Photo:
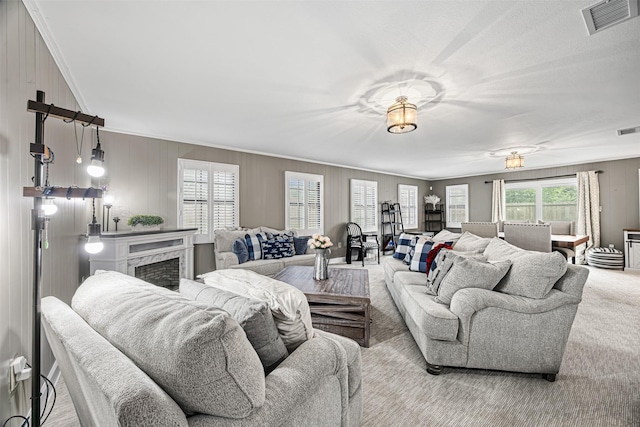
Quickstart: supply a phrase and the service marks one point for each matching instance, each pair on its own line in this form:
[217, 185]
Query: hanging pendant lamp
[402, 116]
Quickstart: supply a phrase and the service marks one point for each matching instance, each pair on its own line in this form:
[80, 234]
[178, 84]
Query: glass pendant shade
[514, 161]
[95, 169]
[402, 116]
[48, 207]
[93, 245]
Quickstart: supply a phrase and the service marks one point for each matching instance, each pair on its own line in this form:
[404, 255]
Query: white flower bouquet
[431, 199]
[318, 241]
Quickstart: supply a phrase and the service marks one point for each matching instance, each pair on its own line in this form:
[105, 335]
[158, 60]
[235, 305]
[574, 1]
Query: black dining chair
[357, 241]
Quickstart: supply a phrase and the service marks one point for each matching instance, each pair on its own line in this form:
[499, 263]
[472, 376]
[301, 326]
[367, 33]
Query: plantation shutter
[408, 199]
[304, 202]
[364, 204]
[208, 197]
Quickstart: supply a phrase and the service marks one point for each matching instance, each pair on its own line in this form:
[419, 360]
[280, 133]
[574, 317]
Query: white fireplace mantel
[125, 250]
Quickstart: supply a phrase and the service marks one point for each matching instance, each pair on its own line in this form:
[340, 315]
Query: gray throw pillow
[240, 249]
[300, 244]
[471, 242]
[469, 273]
[254, 317]
[444, 261]
[533, 274]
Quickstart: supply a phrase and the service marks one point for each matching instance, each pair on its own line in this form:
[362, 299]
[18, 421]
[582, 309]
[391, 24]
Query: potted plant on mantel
[145, 222]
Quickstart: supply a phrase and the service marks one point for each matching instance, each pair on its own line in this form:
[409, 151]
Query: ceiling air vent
[607, 13]
[628, 131]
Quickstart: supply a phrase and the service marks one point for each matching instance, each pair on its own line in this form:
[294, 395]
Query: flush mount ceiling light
[514, 161]
[402, 116]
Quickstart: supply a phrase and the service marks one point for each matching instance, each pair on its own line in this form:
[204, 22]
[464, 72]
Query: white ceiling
[292, 78]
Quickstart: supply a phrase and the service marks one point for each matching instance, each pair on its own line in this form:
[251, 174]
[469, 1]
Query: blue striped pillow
[419, 259]
[254, 245]
[404, 245]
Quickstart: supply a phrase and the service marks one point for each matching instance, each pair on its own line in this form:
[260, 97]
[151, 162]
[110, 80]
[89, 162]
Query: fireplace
[163, 273]
[159, 257]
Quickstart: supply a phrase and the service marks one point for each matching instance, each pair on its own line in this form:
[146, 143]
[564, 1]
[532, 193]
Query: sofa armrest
[291, 389]
[467, 302]
[225, 260]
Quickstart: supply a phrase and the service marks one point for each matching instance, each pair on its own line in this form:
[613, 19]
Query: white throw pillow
[288, 304]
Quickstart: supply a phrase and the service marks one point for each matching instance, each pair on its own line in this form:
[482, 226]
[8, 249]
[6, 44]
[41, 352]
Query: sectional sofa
[226, 258]
[520, 323]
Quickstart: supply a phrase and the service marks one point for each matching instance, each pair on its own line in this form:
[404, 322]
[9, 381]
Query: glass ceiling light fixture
[93, 245]
[402, 116]
[514, 161]
[96, 168]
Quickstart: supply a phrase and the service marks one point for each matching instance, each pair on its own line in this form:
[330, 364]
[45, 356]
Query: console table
[125, 251]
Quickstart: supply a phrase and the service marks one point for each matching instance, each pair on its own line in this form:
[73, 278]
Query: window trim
[538, 185]
[409, 187]
[364, 184]
[448, 190]
[306, 177]
[210, 167]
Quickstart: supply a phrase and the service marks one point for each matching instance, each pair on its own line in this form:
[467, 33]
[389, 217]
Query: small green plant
[145, 220]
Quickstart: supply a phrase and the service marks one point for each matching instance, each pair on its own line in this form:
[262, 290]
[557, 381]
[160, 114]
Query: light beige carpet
[598, 383]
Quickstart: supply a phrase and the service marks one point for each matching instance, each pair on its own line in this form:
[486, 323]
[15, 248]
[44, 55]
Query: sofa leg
[549, 377]
[434, 369]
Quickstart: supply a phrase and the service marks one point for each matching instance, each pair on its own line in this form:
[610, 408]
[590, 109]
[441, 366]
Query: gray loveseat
[521, 326]
[133, 354]
[225, 258]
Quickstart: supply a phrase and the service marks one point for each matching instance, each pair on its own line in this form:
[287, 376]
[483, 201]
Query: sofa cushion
[435, 320]
[279, 246]
[223, 239]
[305, 259]
[268, 267]
[254, 245]
[198, 354]
[241, 251]
[419, 258]
[288, 305]
[404, 244]
[301, 244]
[532, 273]
[254, 317]
[469, 273]
[470, 242]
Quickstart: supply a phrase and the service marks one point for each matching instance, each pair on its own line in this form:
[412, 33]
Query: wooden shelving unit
[391, 225]
[434, 218]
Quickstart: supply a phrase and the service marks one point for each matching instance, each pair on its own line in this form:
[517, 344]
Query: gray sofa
[499, 329]
[225, 258]
[133, 354]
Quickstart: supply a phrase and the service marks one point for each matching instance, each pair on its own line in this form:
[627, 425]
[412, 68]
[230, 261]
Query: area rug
[598, 383]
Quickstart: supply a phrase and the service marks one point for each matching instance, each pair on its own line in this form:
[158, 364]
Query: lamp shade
[402, 116]
[514, 161]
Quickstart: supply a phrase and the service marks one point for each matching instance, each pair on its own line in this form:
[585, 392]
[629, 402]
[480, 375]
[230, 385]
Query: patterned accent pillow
[431, 262]
[404, 245]
[254, 245]
[276, 248]
[241, 251]
[443, 263]
[419, 259]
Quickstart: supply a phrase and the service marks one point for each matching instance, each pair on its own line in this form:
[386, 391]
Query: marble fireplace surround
[125, 250]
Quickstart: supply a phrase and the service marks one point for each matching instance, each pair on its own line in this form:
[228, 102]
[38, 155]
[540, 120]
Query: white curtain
[498, 205]
[588, 212]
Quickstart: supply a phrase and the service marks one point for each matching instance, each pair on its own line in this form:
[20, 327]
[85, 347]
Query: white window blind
[304, 202]
[457, 205]
[208, 197]
[364, 204]
[408, 199]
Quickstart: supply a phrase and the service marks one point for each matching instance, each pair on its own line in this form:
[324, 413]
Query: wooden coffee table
[339, 304]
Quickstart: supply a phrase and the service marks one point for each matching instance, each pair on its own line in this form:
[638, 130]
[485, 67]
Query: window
[304, 202]
[408, 199]
[548, 200]
[364, 204]
[208, 197]
[457, 205]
